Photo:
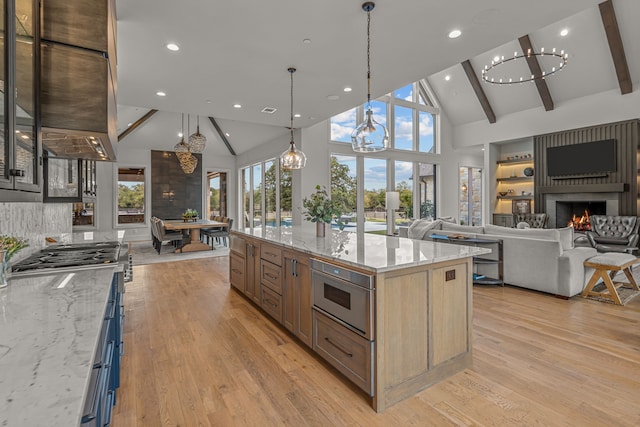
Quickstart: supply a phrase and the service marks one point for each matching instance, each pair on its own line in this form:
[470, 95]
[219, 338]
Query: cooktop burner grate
[61, 256]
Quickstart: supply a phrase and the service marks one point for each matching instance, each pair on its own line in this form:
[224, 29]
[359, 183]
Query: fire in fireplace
[580, 223]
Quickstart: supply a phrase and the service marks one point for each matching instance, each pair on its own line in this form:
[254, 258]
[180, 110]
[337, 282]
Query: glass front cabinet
[20, 164]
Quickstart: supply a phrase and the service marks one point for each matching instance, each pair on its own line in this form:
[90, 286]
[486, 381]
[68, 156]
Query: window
[131, 198]
[404, 186]
[470, 196]
[266, 195]
[342, 125]
[409, 113]
[344, 187]
[217, 194]
[427, 201]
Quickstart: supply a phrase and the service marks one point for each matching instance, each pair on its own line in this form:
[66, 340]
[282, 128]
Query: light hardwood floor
[199, 354]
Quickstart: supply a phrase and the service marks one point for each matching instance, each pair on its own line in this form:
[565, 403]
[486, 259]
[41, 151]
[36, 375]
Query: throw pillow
[566, 237]
[522, 225]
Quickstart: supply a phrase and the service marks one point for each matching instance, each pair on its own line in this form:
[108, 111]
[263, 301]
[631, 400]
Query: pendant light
[188, 161]
[292, 158]
[197, 141]
[369, 136]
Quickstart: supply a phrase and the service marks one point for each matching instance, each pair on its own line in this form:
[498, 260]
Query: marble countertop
[49, 328]
[371, 251]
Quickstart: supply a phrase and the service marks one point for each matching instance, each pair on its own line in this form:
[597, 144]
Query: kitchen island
[393, 315]
[50, 333]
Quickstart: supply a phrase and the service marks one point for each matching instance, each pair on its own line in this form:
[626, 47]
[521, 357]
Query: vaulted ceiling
[239, 52]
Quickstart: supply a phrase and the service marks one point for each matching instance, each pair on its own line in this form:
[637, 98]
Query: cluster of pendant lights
[185, 150]
[369, 136]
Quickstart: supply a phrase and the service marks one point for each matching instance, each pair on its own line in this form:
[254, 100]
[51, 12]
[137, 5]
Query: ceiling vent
[269, 110]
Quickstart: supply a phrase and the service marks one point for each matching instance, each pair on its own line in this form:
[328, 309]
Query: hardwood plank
[199, 353]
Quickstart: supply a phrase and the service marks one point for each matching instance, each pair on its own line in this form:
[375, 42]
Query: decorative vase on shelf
[320, 229]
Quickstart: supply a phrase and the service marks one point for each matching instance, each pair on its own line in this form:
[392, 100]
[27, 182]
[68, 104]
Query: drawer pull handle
[270, 276]
[337, 346]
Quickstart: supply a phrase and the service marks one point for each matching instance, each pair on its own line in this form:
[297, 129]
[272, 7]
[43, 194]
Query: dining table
[194, 228]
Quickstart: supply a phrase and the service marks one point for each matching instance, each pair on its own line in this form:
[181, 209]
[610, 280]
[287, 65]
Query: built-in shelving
[515, 197]
[515, 162]
[516, 179]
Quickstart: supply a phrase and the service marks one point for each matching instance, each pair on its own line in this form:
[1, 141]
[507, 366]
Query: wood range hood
[78, 78]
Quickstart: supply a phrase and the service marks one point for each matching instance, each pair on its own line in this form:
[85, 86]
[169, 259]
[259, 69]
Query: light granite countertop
[49, 328]
[371, 251]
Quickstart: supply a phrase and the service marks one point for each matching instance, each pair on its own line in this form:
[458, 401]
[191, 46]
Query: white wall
[604, 107]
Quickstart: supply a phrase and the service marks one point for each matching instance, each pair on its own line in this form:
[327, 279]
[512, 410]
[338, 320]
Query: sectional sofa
[540, 259]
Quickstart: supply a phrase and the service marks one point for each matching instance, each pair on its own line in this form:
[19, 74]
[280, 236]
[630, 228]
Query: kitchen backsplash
[35, 221]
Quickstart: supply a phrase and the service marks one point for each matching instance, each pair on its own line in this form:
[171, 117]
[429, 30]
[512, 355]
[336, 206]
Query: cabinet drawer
[270, 253]
[236, 244]
[271, 276]
[271, 302]
[347, 351]
[236, 272]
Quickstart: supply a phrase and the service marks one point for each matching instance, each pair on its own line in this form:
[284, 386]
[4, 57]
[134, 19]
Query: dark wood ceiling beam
[477, 88]
[136, 125]
[223, 137]
[612, 30]
[534, 67]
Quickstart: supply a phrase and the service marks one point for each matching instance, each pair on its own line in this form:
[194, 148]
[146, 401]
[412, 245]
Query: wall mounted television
[588, 158]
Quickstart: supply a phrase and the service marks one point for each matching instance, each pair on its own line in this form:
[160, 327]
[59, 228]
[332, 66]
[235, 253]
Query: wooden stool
[606, 266]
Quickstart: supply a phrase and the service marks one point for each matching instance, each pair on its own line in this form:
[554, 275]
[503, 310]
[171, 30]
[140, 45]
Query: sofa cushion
[462, 228]
[532, 233]
[419, 228]
[566, 237]
[610, 240]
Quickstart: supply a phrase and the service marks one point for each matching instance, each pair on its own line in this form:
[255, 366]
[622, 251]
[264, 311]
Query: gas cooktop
[66, 256]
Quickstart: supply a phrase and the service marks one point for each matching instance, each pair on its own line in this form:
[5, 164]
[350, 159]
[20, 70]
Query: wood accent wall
[172, 190]
[623, 180]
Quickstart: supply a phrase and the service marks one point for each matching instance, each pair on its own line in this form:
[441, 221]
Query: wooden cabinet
[449, 308]
[271, 280]
[237, 271]
[252, 268]
[503, 220]
[345, 350]
[297, 295]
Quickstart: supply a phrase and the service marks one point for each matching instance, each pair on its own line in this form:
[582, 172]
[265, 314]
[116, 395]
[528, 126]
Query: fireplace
[560, 207]
[578, 212]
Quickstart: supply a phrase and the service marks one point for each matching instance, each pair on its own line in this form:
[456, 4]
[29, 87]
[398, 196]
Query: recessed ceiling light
[306, 41]
[160, 93]
[333, 97]
[564, 32]
[447, 77]
[269, 110]
[296, 115]
[237, 106]
[180, 134]
[482, 149]
[173, 47]
[347, 89]
[455, 34]
[208, 101]
[227, 134]
[129, 124]
[496, 58]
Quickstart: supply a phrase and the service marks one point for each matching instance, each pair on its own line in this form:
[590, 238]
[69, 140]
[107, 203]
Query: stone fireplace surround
[611, 200]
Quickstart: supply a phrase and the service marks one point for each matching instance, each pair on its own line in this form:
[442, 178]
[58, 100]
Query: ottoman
[606, 266]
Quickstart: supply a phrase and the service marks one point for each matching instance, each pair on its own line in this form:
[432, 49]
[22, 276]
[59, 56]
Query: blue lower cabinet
[105, 376]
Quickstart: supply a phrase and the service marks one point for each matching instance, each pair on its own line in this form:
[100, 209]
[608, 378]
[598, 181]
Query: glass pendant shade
[197, 141]
[293, 158]
[370, 136]
[181, 149]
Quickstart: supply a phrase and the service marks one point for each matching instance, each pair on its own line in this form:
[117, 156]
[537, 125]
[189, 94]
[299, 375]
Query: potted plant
[322, 210]
[190, 215]
[9, 246]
